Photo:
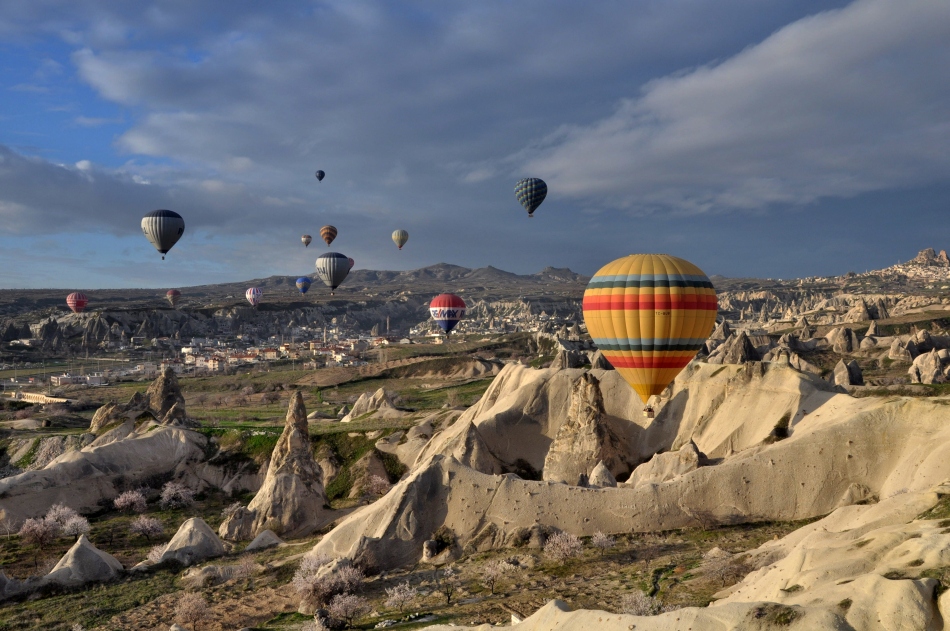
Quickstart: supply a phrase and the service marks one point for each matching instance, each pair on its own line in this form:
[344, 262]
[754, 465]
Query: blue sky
[780, 139]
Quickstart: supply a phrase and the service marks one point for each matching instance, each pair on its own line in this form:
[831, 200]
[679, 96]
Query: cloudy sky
[782, 138]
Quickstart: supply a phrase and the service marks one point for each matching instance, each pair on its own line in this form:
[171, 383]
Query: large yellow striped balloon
[649, 314]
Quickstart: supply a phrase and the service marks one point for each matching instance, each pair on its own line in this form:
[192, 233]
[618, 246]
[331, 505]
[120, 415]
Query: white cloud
[84, 165]
[834, 105]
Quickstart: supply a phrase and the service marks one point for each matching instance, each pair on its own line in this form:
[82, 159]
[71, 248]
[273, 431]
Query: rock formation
[843, 340]
[666, 466]
[267, 539]
[737, 349]
[113, 413]
[379, 404]
[164, 394]
[599, 362]
[291, 499]
[931, 367]
[84, 563]
[847, 374]
[194, 542]
[585, 438]
[369, 465]
[601, 477]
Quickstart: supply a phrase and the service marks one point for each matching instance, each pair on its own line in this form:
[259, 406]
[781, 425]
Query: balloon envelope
[328, 233]
[303, 284]
[253, 295]
[649, 314]
[173, 296]
[163, 228]
[77, 301]
[352, 262]
[306, 239]
[531, 191]
[447, 310]
[332, 268]
[320, 175]
[400, 237]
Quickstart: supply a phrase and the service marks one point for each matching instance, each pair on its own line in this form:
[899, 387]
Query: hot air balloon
[253, 295]
[328, 233]
[649, 314]
[303, 284]
[163, 228]
[173, 296]
[306, 239]
[352, 263]
[531, 191]
[400, 237]
[320, 175]
[447, 310]
[77, 301]
[332, 269]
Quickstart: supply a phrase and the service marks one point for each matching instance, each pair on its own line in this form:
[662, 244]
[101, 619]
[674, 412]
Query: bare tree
[447, 583]
[192, 609]
[9, 525]
[400, 596]
[231, 509]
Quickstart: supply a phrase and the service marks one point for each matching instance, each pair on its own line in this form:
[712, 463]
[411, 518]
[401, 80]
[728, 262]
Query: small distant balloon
[332, 268]
[352, 263]
[328, 233]
[306, 239]
[531, 191]
[447, 310]
[77, 301]
[173, 296]
[253, 295]
[400, 237]
[303, 284]
[320, 175]
[163, 228]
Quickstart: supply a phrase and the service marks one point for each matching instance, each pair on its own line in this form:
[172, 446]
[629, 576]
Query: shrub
[146, 526]
[192, 609]
[562, 546]
[231, 509]
[348, 607]
[602, 542]
[130, 502]
[75, 526]
[318, 586]
[400, 596]
[316, 625]
[494, 571]
[177, 495]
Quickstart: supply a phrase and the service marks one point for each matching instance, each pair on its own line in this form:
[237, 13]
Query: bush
[637, 603]
[177, 495]
[146, 526]
[318, 586]
[130, 502]
[562, 546]
[602, 542]
[60, 514]
[377, 486]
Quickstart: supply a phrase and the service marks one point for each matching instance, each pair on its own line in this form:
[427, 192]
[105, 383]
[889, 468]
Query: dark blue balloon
[303, 284]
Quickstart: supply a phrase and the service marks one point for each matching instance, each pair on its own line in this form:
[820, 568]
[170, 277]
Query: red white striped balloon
[77, 301]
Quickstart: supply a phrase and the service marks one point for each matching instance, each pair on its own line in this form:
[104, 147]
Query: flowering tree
[602, 542]
[60, 514]
[562, 546]
[146, 526]
[447, 583]
[177, 495]
[494, 571]
[130, 502]
[400, 596]
[76, 525]
[637, 603]
[317, 585]
[377, 485]
[155, 553]
[192, 609]
[348, 607]
[38, 533]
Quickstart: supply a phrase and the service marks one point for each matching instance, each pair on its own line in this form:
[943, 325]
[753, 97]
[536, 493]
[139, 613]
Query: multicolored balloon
[649, 314]
[328, 233]
[400, 237]
[163, 228]
[303, 284]
[531, 191]
[306, 239]
[447, 310]
[254, 295]
[173, 296]
[320, 175]
[77, 301]
[332, 268]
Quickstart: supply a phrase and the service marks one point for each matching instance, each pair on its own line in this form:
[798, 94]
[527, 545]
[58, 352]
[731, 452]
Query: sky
[777, 139]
